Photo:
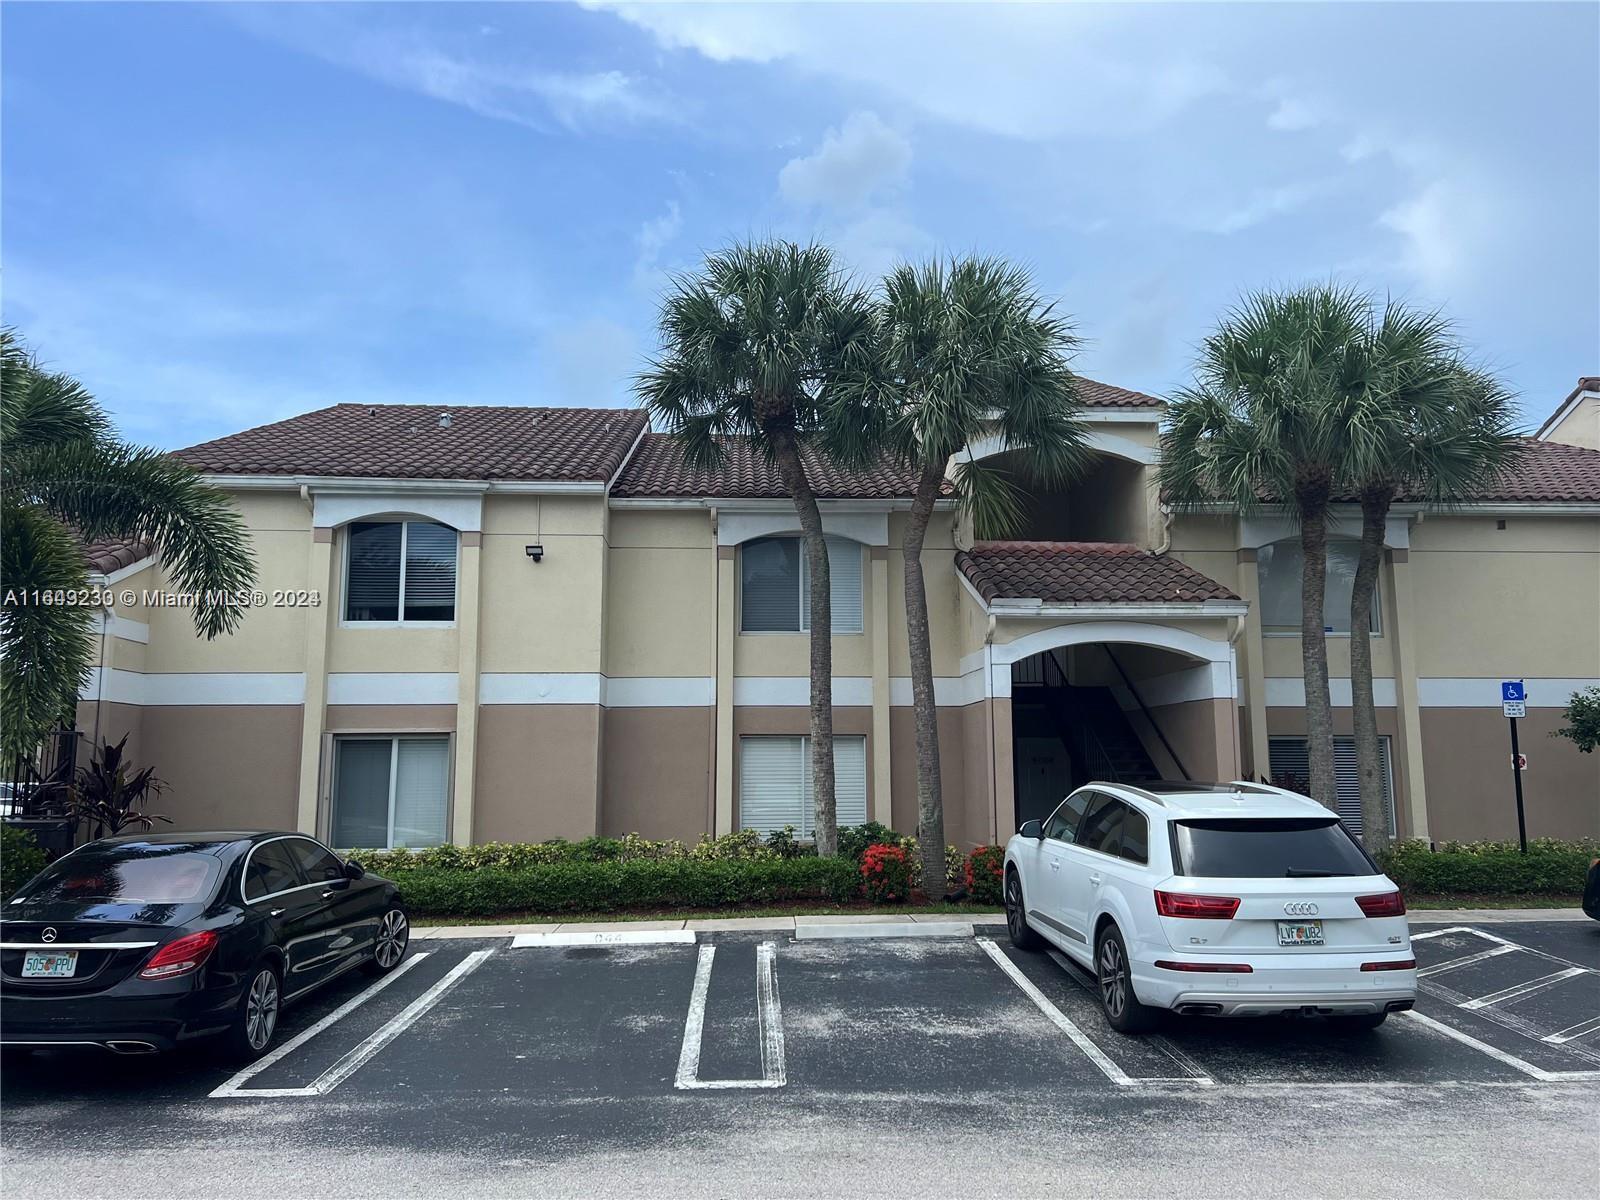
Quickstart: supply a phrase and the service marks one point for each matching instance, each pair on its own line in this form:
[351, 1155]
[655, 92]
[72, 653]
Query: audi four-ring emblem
[1300, 908]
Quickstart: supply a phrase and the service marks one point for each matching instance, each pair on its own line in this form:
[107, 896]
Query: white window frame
[805, 589]
[344, 596]
[803, 742]
[1293, 631]
[394, 740]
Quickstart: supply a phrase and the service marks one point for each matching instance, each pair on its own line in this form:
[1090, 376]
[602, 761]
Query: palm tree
[65, 480]
[1436, 428]
[1265, 419]
[751, 344]
[962, 349]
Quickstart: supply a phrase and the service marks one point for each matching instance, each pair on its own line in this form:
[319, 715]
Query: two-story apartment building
[495, 623]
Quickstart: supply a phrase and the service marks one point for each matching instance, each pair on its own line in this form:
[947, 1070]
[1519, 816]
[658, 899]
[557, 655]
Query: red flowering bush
[986, 867]
[886, 874]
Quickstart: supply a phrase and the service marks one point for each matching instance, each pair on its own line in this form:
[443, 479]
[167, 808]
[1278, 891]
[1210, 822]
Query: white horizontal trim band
[1484, 691]
[173, 688]
[795, 691]
[1290, 692]
[398, 687]
[125, 628]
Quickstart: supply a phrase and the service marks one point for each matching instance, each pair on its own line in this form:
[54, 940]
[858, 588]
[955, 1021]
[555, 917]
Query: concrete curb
[885, 929]
[601, 933]
[1489, 916]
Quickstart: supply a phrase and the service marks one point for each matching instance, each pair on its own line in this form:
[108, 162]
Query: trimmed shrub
[985, 873]
[886, 874]
[784, 844]
[854, 839]
[1551, 867]
[20, 859]
[578, 886]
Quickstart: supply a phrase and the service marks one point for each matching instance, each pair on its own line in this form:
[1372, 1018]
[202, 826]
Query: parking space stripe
[1499, 1055]
[1165, 1045]
[769, 1018]
[1466, 960]
[1571, 1032]
[1065, 1023]
[233, 1086]
[1518, 990]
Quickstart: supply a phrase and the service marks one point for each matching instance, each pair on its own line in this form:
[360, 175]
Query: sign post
[1514, 703]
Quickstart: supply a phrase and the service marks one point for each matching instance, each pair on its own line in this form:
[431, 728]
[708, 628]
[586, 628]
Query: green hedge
[639, 883]
[1551, 867]
[20, 859]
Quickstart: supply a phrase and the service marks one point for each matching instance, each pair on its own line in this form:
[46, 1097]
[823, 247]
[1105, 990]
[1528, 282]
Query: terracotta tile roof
[1084, 573]
[657, 468]
[1094, 394]
[115, 553]
[407, 441]
[1550, 473]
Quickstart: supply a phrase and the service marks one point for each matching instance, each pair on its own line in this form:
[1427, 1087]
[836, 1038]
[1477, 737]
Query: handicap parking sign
[1511, 691]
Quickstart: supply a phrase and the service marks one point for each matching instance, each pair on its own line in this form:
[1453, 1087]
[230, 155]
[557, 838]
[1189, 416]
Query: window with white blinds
[775, 783]
[775, 586]
[1291, 768]
[400, 571]
[390, 792]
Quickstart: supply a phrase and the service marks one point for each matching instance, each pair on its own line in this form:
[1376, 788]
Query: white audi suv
[1216, 899]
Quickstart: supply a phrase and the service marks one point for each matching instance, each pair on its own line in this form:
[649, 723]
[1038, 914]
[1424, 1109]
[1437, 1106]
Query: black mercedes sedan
[142, 942]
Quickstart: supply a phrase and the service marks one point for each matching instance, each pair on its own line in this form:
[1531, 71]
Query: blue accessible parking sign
[1511, 690]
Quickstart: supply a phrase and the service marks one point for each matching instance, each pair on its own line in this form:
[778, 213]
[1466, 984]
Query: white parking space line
[1466, 960]
[769, 1018]
[1080, 1039]
[1518, 990]
[358, 1056]
[1499, 1055]
[620, 937]
[1572, 1032]
[1074, 973]
[232, 1086]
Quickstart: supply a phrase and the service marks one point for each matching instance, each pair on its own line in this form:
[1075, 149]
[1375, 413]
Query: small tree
[110, 796]
[1583, 720]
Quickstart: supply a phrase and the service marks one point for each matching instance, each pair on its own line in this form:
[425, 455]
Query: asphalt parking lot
[604, 1067]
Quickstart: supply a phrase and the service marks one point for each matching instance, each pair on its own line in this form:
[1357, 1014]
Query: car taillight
[1180, 904]
[1386, 904]
[180, 957]
[1404, 964]
[1208, 968]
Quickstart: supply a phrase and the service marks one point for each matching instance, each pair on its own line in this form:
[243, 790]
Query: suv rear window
[147, 876]
[1267, 848]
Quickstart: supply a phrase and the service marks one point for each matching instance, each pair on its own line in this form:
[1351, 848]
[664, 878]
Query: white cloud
[1261, 205]
[856, 162]
[653, 237]
[1293, 115]
[1447, 228]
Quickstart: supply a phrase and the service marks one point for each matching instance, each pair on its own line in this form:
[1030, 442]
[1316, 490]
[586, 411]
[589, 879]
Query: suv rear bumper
[1335, 984]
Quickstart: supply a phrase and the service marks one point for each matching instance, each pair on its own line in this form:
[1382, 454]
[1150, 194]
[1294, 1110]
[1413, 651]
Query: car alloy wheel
[1113, 978]
[261, 1009]
[393, 935]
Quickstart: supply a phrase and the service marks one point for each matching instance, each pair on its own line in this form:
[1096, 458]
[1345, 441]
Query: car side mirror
[1032, 829]
[354, 871]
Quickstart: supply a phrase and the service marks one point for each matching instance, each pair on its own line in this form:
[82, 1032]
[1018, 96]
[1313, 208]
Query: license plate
[1300, 933]
[50, 964]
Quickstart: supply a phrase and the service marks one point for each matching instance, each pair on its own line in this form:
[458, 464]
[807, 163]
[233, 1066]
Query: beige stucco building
[515, 623]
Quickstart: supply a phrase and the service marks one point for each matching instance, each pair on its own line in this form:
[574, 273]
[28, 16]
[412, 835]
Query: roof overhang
[350, 483]
[1027, 608]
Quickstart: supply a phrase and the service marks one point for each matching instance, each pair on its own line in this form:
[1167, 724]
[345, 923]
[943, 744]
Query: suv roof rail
[1265, 789]
[1142, 793]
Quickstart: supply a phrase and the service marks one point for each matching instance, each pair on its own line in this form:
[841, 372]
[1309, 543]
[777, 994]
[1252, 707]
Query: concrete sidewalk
[895, 925]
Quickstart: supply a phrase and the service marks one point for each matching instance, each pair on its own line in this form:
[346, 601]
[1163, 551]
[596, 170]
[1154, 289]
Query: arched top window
[775, 585]
[400, 571]
[1280, 565]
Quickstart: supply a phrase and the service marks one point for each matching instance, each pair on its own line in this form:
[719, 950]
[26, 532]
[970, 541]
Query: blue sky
[220, 216]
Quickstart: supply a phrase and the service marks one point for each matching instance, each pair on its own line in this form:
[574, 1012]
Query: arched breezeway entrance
[1117, 700]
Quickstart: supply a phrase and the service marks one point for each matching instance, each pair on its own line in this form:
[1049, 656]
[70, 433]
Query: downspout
[1166, 529]
[305, 497]
[994, 745]
[716, 673]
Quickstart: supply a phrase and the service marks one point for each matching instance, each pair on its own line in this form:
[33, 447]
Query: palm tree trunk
[1374, 817]
[786, 452]
[930, 796]
[1311, 495]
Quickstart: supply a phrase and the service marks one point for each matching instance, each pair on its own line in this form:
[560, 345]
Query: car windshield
[1296, 847]
[130, 875]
